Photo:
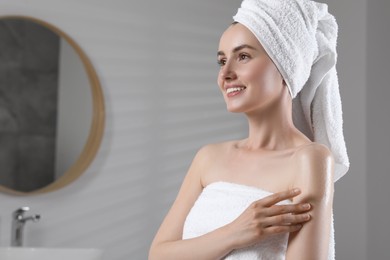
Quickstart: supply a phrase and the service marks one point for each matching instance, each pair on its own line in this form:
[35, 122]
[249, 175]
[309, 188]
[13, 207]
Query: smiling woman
[270, 195]
[51, 107]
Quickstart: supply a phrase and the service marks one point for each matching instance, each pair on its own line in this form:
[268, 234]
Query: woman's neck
[272, 128]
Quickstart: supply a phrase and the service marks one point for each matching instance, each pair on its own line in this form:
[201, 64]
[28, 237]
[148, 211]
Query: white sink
[31, 253]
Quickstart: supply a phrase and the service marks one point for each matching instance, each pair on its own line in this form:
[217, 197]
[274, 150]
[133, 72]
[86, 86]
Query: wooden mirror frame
[98, 117]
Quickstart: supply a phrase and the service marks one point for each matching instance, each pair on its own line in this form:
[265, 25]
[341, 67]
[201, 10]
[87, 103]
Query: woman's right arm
[261, 219]
[168, 243]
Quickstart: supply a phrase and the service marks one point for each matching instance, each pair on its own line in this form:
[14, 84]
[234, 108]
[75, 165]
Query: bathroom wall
[156, 62]
[378, 129]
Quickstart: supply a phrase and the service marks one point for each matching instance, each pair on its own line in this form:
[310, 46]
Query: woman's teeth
[230, 90]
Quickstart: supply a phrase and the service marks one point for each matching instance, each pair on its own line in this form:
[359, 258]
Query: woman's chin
[235, 109]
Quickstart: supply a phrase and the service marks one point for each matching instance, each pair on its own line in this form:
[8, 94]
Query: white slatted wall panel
[157, 65]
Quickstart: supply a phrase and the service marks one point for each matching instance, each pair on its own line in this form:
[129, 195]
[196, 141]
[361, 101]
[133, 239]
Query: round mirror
[51, 107]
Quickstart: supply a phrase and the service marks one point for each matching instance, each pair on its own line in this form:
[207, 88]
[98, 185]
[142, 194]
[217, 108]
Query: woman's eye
[244, 56]
[221, 62]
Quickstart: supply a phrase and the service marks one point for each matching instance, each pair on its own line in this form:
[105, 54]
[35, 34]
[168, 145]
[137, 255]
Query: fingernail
[306, 217]
[306, 206]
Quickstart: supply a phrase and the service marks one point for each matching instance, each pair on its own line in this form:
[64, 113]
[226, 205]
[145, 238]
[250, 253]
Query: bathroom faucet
[18, 221]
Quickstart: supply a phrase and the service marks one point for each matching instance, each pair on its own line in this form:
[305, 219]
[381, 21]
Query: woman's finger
[272, 230]
[279, 196]
[286, 219]
[291, 208]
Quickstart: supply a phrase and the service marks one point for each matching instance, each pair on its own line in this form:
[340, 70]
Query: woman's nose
[228, 72]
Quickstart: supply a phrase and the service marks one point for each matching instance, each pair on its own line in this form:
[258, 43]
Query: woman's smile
[232, 91]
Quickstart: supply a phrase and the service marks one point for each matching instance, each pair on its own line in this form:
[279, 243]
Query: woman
[229, 205]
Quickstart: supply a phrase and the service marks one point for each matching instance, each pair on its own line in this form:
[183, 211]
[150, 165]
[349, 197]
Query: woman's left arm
[316, 170]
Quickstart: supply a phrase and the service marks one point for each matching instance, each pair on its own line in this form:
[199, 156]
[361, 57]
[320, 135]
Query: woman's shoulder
[216, 148]
[315, 163]
[314, 152]
[211, 153]
[209, 158]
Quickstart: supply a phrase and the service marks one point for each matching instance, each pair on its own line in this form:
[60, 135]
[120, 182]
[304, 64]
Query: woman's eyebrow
[238, 48]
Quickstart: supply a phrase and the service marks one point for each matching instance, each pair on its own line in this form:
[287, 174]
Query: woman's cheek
[219, 81]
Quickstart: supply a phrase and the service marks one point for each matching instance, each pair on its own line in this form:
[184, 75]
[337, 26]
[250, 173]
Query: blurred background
[156, 62]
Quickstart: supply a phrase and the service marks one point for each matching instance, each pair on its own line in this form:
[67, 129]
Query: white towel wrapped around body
[222, 202]
[300, 37]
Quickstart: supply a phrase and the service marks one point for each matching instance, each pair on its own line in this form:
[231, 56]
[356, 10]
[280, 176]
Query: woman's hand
[264, 218]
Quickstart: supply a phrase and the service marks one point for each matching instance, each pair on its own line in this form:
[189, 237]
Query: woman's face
[248, 78]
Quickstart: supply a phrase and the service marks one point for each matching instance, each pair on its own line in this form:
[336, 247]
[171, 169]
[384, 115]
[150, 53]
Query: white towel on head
[300, 37]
